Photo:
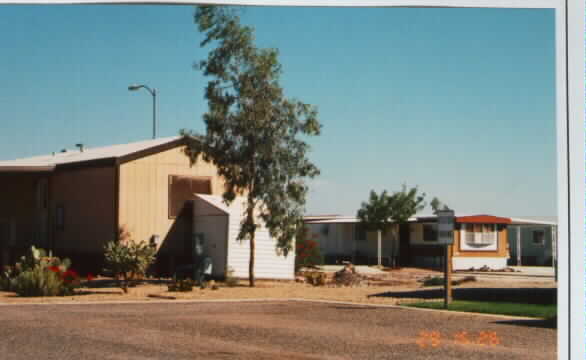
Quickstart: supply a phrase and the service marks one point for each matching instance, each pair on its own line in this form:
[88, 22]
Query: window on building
[182, 188]
[359, 232]
[429, 232]
[480, 235]
[539, 237]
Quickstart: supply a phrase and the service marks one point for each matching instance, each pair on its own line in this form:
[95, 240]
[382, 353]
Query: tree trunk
[250, 220]
[378, 236]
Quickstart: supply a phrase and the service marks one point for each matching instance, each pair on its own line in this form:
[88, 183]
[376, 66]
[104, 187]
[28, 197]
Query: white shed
[219, 224]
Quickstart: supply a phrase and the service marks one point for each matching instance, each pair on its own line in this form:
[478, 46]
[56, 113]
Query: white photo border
[571, 131]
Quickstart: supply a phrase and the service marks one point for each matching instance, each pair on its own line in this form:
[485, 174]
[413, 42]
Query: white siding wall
[269, 265]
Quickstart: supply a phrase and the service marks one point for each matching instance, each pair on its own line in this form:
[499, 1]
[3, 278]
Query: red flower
[69, 276]
[54, 269]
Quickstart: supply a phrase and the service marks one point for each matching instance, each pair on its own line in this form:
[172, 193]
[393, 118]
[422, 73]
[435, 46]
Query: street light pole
[153, 93]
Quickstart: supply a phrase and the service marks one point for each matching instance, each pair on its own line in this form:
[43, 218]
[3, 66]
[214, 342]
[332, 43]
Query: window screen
[182, 188]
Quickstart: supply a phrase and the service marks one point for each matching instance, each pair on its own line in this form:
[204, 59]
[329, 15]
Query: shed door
[215, 232]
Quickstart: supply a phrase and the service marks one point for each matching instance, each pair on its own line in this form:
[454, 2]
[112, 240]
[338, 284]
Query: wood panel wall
[144, 198]
[88, 199]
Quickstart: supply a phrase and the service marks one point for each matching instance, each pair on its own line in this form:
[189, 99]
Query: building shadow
[537, 323]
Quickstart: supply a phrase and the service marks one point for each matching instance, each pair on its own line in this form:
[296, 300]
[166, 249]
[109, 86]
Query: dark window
[182, 188]
[60, 217]
[539, 237]
[429, 232]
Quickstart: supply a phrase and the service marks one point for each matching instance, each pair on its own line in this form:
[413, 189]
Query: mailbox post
[445, 231]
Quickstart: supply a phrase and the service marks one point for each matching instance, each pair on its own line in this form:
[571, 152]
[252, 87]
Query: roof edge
[151, 150]
[27, 168]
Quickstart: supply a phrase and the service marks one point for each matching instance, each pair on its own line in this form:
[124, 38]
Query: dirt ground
[393, 287]
[262, 331]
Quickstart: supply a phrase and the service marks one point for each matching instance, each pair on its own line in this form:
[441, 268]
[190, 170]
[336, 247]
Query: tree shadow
[538, 296]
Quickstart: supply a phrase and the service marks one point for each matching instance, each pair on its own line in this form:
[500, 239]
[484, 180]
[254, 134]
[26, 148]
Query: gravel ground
[390, 288]
[259, 330]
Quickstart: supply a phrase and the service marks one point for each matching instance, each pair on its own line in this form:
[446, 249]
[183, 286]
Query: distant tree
[437, 205]
[404, 204]
[252, 130]
[375, 215]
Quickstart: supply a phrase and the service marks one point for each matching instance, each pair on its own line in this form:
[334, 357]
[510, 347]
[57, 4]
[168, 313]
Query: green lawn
[500, 308]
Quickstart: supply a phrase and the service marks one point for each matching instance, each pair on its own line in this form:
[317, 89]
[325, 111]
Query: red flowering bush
[307, 252]
[38, 274]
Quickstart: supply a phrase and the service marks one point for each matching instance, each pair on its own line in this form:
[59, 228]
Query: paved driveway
[262, 330]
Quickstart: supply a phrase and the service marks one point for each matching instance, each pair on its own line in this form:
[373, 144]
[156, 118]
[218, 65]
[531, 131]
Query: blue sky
[460, 102]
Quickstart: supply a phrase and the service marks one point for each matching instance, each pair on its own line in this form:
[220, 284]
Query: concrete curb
[196, 301]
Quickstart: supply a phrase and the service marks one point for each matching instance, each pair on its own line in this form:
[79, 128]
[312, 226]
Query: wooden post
[447, 276]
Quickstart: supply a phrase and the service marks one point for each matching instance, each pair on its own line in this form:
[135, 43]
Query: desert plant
[39, 274]
[316, 278]
[128, 260]
[38, 281]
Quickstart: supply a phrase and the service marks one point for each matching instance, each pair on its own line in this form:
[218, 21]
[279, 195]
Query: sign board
[445, 227]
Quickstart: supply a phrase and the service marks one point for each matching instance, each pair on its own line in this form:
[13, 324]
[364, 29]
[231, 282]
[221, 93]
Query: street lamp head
[134, 87]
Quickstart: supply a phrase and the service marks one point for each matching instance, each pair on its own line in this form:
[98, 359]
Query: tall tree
[252, 130]
[375, 215]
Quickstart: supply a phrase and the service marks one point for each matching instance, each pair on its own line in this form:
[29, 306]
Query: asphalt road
[267, 330]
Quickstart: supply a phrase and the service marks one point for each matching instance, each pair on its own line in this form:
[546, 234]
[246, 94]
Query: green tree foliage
[406, 203]
[382, 210]
[375, 215]
[437, 205]
[128, 260]
[252, 130]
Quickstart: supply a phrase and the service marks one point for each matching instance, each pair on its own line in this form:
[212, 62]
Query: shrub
[439, 281]
[38, 282]
[128, 260]
[433, 281]
[307, 252]
[230, 280]
[316, 278]
[40, 275]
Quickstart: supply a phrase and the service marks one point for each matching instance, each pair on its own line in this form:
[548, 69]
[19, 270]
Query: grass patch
[499, 308]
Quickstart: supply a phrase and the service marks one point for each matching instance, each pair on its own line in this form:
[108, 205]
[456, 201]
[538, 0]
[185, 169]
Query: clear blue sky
[460, 102]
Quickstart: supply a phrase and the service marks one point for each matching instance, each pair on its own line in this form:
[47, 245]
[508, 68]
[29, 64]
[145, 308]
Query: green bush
[128, 260]
[433, 281]
[38, 281]
[39, 274]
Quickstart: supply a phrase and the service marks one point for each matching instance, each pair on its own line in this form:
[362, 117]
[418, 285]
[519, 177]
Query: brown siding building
[74, 202]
